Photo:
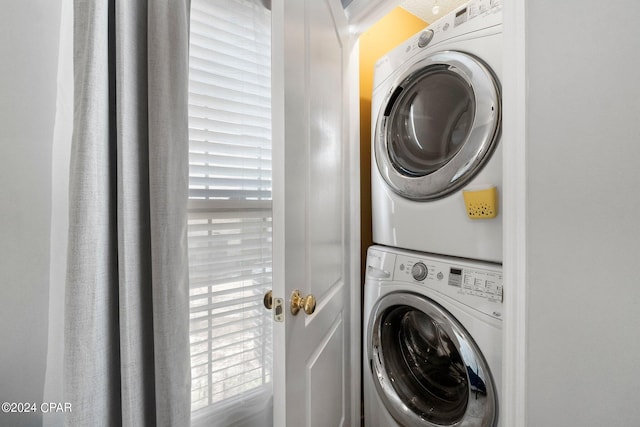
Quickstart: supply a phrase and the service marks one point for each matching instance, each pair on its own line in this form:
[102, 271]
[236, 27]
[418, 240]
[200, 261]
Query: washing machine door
[438, 125]
[426, 367]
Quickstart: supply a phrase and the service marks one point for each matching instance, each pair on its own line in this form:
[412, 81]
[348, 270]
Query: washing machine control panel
[471, 283]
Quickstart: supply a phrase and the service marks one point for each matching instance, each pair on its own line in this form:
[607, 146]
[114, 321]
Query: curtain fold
[126, 308]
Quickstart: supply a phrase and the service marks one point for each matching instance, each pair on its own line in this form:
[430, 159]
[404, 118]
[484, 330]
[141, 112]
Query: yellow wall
[389, 32]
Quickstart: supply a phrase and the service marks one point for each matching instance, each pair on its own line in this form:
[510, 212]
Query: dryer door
[427, 369]
[438, 125]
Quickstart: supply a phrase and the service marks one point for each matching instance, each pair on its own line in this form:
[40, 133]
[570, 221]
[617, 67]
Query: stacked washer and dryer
[433, 285]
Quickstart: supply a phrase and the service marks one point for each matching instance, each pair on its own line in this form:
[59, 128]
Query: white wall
[583, 217]
[29, 32]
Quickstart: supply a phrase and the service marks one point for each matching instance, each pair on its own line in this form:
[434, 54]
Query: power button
[419, 271]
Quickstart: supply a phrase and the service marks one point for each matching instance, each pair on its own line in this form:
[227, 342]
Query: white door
[316, 233]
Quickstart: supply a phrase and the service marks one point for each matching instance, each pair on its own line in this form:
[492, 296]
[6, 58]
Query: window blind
[230, 101]
[229, 228]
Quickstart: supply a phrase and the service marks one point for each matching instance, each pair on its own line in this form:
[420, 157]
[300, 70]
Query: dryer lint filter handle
[481, 204]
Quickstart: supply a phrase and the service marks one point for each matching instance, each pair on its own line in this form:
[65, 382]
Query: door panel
[324, 104]
[311, 225]
[323, 374]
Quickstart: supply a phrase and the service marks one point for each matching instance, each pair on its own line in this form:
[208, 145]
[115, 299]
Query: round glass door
[427, 370]
[424, 135]
[438, 126]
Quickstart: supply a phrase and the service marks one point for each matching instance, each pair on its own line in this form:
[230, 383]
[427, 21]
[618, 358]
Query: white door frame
[514, 133]
[352, 102]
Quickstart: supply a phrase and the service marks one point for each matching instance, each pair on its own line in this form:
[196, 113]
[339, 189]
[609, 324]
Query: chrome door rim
[479, 144]
[483, 412]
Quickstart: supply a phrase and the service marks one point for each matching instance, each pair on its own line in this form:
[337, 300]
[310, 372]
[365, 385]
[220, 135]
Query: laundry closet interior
[375, 213]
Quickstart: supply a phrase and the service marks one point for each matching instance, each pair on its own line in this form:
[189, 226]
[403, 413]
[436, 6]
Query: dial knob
[419, 271]
[425, 38]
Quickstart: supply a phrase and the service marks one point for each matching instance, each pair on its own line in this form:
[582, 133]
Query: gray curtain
[126, 309]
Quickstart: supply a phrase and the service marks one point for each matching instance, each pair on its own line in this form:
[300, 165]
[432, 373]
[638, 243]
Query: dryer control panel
[476, 15]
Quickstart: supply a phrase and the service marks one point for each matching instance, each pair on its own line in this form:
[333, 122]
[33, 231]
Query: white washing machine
[436, 126]
[432, 340]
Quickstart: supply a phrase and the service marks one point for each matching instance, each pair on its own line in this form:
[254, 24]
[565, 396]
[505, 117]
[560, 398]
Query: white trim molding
[513, 413]
[352, 105]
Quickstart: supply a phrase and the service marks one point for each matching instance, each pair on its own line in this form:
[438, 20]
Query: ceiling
[423, 9]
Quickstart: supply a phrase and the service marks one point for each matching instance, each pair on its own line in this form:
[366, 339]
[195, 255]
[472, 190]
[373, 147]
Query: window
[229, 205]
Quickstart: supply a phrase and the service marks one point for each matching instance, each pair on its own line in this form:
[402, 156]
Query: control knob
[425, 38]
[419, 271]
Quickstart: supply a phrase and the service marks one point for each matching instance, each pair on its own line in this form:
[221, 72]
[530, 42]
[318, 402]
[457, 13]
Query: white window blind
[230, 203]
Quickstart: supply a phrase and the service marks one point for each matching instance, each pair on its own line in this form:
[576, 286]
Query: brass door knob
[268, 300]
[298, 302]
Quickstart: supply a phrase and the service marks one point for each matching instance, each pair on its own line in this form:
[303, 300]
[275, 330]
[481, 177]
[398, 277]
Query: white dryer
[436, 127]
[432, 340]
